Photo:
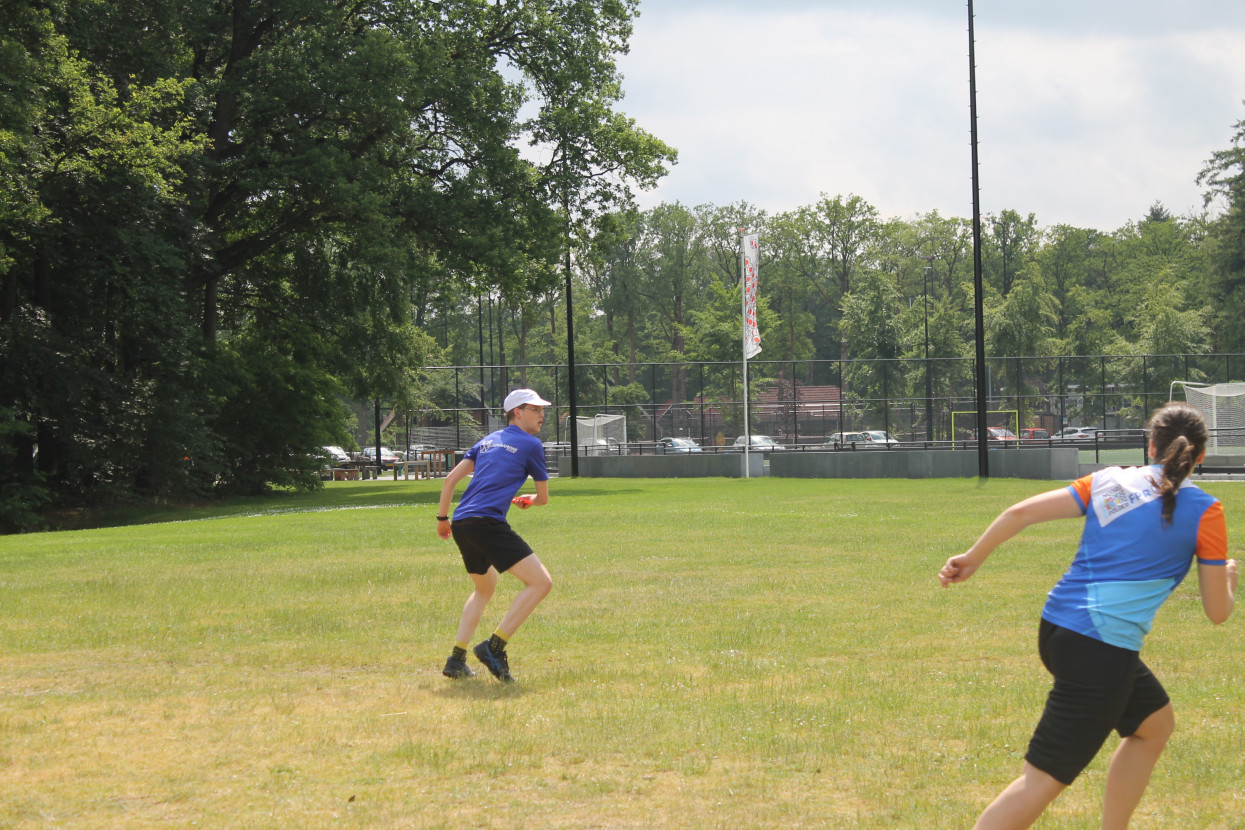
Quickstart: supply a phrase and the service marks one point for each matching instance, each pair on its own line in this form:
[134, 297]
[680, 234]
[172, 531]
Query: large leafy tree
[207, 198]
[1007, 247]
[1224, 176]
[93, 353]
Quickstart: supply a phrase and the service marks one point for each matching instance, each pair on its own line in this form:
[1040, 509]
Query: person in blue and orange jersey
[499, 465]
[1144, 527]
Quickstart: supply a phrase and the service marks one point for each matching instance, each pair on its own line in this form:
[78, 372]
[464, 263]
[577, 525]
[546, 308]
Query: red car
[1034, 434]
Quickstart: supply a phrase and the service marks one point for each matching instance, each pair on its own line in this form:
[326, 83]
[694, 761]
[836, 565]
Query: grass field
[715, 654]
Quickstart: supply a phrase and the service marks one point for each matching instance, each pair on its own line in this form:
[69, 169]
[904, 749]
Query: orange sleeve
[1082, 487]
[1212, 537]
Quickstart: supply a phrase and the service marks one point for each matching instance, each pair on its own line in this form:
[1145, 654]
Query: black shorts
[484, 542]
[1098, 688]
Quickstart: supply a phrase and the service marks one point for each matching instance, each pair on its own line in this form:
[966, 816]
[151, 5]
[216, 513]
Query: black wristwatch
[443, 518]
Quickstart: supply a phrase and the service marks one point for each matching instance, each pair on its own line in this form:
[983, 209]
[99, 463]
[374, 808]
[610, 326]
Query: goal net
[964, 424]
[1223, 407]
[601, 434]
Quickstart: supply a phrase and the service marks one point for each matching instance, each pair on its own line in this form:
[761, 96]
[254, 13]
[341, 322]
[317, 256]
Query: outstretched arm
[1217, 584]
[1055, 504]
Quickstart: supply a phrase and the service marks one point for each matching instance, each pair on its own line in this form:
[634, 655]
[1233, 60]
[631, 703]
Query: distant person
[1144, 526]
[501, 462]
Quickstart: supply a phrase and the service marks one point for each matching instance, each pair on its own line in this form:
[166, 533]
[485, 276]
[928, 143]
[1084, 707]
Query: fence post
[1145, 392]
[886, 396]
[1020, 406]
[653, 397]
[701, 367]
[795, 404]
[1102, 369]
[1063, 398]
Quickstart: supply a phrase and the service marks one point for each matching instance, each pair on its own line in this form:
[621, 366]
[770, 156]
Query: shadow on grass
[480, 687]
[344, 495]
[340, 495]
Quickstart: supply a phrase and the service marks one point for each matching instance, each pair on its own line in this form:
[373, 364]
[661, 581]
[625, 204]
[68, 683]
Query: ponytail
[1179, 434]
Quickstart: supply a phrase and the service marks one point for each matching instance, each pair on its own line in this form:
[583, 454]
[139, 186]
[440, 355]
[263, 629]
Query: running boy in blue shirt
[501, 462]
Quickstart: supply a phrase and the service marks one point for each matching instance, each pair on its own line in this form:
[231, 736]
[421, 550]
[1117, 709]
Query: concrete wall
[1057, 464]
[673, 465]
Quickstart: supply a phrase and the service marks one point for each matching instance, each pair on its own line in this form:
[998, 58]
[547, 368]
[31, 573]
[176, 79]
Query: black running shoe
[455, 667]
[494, 661]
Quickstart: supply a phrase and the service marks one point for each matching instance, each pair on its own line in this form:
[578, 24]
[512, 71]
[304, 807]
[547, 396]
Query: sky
[1088, 112]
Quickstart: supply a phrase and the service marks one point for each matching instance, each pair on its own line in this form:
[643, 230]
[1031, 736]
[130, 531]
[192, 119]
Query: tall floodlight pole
[983, 455]
[573, 418]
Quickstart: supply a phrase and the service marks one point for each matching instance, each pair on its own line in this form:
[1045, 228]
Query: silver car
[853, 440]
[760, 443]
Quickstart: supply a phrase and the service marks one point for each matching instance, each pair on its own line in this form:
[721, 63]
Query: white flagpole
[743, 310]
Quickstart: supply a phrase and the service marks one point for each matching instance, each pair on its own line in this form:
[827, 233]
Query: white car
[335, 455]
[850, 440]
[762, 443]
[882, 438]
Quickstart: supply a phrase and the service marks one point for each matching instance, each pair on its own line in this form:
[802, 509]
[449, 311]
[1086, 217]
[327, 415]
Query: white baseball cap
[521, 396]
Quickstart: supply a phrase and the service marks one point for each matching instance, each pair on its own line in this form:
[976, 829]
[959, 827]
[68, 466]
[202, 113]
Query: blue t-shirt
[1130, 560]
[503, 462]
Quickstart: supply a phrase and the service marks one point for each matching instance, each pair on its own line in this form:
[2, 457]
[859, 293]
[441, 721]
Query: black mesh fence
[807, 402]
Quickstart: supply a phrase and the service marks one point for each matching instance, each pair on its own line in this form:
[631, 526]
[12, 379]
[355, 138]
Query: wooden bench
[420, 465]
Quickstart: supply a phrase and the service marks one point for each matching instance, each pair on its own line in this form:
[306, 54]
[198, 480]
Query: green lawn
[716, 653]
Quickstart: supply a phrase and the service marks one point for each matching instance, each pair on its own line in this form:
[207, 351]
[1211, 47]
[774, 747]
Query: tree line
[222, 220]
[840, 282]
[222, 223]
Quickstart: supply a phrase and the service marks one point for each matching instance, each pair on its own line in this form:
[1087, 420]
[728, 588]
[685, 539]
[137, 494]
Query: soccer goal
[964, 424]
[1223, 406]
[601, 434]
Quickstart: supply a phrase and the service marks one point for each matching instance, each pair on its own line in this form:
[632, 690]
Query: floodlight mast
[983, 456]
[573, 411]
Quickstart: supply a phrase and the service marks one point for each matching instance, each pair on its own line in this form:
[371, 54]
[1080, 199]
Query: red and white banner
[393, 413]
[752, 335]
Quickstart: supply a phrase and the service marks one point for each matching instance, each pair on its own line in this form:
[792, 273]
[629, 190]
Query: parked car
[998, 434]
[1034, 434]
[677, 445]
[334, 455]
[602, 446]
[854, 440]
[387, 457]
[1079, 435]
[762, 443]
[606, 446]
[418, 452]
[882, 438]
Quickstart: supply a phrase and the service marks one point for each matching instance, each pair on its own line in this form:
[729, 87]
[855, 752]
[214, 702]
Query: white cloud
[1078, 124]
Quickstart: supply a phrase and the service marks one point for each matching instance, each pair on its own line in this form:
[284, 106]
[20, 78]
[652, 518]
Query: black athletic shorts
[1098, 688]
[484, 542]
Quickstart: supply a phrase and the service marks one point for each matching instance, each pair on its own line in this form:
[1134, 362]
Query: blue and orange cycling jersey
[1130, 560]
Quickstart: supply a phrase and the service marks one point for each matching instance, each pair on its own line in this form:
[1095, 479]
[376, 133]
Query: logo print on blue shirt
[1117, 499]
[1117, 492]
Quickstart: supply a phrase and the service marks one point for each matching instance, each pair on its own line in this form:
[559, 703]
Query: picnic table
[429, 464]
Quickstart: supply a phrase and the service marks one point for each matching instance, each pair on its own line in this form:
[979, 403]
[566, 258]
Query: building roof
[803, 394]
